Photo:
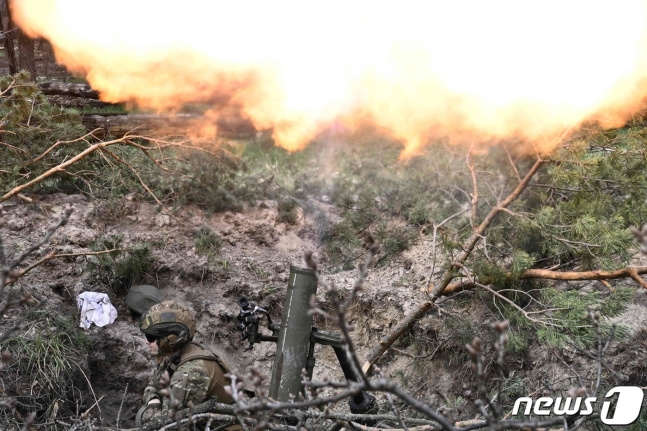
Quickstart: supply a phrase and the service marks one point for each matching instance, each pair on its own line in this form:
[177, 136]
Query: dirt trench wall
[254, 261]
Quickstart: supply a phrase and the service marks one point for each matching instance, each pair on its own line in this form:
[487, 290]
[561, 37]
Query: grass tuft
[206, 241]
[45, 362]
[122, 268]
[287, 211]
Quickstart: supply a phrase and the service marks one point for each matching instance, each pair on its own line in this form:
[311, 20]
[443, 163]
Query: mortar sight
[243, 303]
[249, 318]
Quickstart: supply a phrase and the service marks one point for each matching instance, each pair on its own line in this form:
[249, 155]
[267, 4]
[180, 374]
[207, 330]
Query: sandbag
[141, 298]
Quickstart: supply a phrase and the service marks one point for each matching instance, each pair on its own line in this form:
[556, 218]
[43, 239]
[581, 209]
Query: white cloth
[95, 308]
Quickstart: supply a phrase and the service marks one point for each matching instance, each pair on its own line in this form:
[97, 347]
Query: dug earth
[208, 261]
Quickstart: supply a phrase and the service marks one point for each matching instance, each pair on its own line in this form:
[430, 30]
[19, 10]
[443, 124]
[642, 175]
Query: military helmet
[166, 318]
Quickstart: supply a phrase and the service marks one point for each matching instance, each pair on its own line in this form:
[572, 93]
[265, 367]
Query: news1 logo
[630, 399]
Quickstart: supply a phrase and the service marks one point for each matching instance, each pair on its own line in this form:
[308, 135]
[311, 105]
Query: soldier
[195, 374]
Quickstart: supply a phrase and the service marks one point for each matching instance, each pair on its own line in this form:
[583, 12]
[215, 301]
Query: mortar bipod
[362, 403]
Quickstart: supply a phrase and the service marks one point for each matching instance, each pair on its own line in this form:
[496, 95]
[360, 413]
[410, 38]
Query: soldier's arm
[190, 382]
[150, 394]
[151, 400]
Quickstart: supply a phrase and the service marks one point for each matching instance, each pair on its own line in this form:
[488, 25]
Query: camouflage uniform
[152, 392]
[196, 376]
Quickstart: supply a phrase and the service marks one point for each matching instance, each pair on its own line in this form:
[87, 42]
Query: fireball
[419, 70]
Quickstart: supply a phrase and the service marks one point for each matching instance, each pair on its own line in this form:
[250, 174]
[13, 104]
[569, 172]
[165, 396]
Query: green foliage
[419, 214]
[192, 176]
[206, 241]
[49, 353]
[566, 319]
[394, 240]
[31, 125]
[122, 268]
[517, 343]
[108, 109]
[132, 268]
[213, 180]
[639, 425]
[373, 193]
[514, 388]
[521, 261]
[462, 333]
[571, 314]
[489, 269]
[111, 210]
[257, 270]
[590, 195]
[455, 404]
[287, 211]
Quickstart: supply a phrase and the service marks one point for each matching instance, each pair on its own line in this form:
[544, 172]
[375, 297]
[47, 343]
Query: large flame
[418, 69]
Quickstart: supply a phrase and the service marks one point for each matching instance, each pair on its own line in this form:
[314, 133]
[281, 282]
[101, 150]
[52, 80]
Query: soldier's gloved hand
[155, 403]
[150, 393]
[148, 411]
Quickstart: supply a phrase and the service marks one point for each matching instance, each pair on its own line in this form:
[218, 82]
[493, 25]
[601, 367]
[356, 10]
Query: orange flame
[419, 69]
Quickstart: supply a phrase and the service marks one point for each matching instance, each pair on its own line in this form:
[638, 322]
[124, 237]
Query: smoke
[468, 70]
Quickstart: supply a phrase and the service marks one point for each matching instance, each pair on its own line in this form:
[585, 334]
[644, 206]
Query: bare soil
[253, 261]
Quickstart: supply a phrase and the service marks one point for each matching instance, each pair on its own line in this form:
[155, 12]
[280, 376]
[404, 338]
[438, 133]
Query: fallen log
[143, 124]
[167, 124]
[77, 102]
[116, 126]
[65, 89]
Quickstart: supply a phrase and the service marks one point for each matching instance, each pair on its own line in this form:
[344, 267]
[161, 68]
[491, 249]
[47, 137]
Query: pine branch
[15, 275]
[61, 167]
[633, 272]
[477, 234]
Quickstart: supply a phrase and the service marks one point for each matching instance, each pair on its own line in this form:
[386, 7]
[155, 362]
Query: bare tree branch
[15, 275]
[405, 324]
[633, 272]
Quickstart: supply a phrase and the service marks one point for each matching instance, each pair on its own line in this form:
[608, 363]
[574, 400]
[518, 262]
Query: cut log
[77, 102]
[115, 125]
[164, 125]
[65, 89]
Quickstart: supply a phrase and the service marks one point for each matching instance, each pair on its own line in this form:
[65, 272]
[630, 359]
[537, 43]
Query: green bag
[141, 298]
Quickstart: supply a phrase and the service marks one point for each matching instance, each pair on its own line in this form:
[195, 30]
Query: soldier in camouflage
[195, 374]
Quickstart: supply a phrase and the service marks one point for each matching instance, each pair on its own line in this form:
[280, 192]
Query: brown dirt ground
[254, 261]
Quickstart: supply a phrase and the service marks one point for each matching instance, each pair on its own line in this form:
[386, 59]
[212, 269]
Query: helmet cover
[168, 317]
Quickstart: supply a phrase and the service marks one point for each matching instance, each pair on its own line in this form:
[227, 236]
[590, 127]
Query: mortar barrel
[294, 335]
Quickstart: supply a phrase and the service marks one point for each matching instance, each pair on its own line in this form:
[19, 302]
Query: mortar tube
[293, 341]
